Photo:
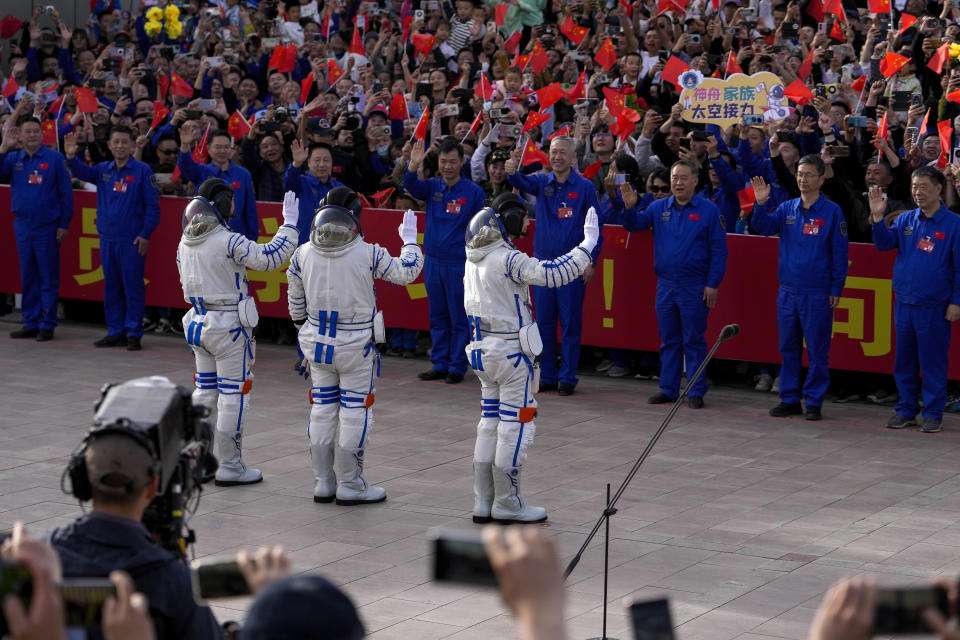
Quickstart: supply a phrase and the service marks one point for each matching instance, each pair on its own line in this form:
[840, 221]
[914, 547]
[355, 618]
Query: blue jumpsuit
[244, 220]
[561, 210]
[813, 267]
[690, 253]
[127, 207]
[926, 278]
[42, 202]
[310, 191]
[449, 210]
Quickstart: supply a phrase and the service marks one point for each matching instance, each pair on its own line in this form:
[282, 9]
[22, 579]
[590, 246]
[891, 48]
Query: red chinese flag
[624, 125]
[879, 6]
[672, 70]
[835, 7]
[10, 88]
[806, 67]
[356, 42]
[49, 129]
[549, 95]
[237, 126]
[500, 14]
[614, 236]
[579, 89]
[420, 133]
[305, 85]
[9, 26]
[406, 28]
[86, 101]
[732, 65]
[815, 10]
[474, 126]
[200, 154]
[532, 154]
[891, 63]
[423, 42]
[858, 84]
[906, 21]
[628, 6]
[882, 127]
[670, 5]
[747, 199]
[160, 112]
[56, 104]
[954, 96]
[513, 42]
[923, 123]
[327, 26]
[565, 131]
[945, 132]
[520, 62]
[607, 56]
[836, 33]
[534, 119]
[574, 32]
[180, 87]
[163, 85]
[798, 92]
[398, 107]
[381, 198]
[591, 170]
[334, 72]
[616, 101]
[538, 58]
[938, 58]
[483, 90]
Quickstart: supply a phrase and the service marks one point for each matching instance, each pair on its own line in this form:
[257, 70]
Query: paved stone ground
[743, 521]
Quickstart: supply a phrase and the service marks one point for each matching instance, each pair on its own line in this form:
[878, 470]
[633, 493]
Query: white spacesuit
[504, 349]
[331, 296]
[213, 262]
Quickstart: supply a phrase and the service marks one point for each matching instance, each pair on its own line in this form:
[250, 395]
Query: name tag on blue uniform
[18, 166]
[908, 231]
[438, 197]
[791, 219]
[548, 192]
[665, 216]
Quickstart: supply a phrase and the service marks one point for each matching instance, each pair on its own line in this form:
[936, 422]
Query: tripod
[728, 332]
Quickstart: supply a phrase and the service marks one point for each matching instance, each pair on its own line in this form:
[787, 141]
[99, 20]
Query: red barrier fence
[618, 311]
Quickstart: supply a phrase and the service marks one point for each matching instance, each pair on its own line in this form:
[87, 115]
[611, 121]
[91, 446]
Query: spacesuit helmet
[334, 227]
[209, 209]
[344, 197]
[511, 209]
[485, 228]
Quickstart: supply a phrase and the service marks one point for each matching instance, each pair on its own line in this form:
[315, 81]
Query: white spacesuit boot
[482, 491]
[321, 455]
[483, 455]
[508, 507]
[352, 488]
[229, 438]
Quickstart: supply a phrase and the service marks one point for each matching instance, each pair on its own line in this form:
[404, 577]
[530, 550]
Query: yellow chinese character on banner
[854, 325]
[89, 241]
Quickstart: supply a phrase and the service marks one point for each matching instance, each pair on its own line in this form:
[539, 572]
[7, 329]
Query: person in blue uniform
[689, 258]
[563, 199]
[220, 146]
[451, 200]
[42, 205]
[812, 270]
[128, 211]
[311, 187]
[926, 280]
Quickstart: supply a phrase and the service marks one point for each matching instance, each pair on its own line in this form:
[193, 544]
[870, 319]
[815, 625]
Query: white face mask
[485, 67]
[643, 24]
[384, 150]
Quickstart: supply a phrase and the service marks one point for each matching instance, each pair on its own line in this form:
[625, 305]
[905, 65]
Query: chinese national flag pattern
[945, 133]
[938, 58]
[511, 43]
[520, 61]
[549, 95]
[616, 101]
[882, 127]
[200, 153]
[815, 10]
[578, 90]
[923, 123]
[160, 112]
[423, 42]
[747, 199]
[474, 125]
[86, 101]
[398, 107]
[858, 84]
[420, 133]
[906, 21]
[10, 87]
[283, 58]
[500, 14]
[607, 56]
[237, 126]
[836, 33]
[534, 119]
[732, 65]
[56, 105]
[49, 129]
[672, 70]
[381, 198]
[538, 58]
[591, 170]
[879, 6]
[891, 63]
[574, 32]
[565, 131]
[483, 90]
[356, 42]
[532, 154]
[305, 85]
[334, 72]
[806, 67]
[617, 237]
[180, 87]
[798, 92]
[835, 7]
[163, 85]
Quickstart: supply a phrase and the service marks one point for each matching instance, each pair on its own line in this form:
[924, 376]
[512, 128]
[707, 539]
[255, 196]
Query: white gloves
[408, 228]
[291, 208]
[591, 231]
[492, 136]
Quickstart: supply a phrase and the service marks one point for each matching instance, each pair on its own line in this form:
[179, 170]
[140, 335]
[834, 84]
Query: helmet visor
[200, 217]
[333, 227]
[484, 229]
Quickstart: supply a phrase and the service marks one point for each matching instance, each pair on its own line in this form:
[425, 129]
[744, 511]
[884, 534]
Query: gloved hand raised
[591, 231]
[291, 208]
[408, 228]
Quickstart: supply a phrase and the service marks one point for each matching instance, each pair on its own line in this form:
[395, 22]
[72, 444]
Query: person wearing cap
[563, 199]
[312, 186]
[128, 210]
[812, 271]
[221, 165]
[450, 201]
[331, 298]
[505, 347]
[213, 260]
[124, 479]
[42, 204]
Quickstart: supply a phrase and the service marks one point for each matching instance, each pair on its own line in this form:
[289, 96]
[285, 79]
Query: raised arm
[269, 256]
[523, 269]
[404, 269]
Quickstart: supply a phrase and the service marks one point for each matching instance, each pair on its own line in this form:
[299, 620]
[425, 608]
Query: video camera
[161, 417]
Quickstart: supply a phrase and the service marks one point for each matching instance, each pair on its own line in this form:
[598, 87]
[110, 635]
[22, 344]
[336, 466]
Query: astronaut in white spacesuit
[331, 299]
[213, 262]
[504, 347]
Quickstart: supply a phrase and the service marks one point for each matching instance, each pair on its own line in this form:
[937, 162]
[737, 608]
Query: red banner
[619, 308]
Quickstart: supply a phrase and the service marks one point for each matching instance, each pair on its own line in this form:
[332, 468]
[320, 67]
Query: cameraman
[123, 476]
